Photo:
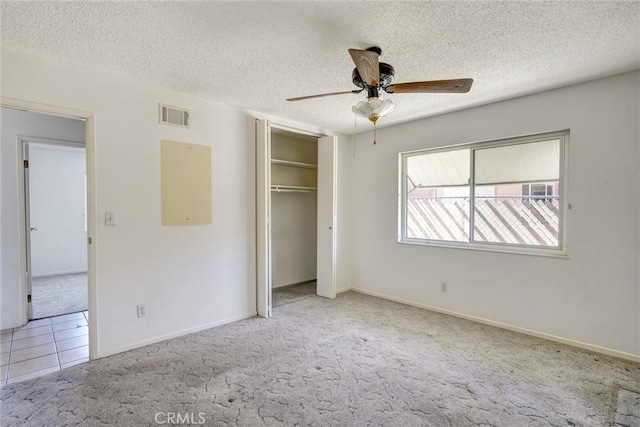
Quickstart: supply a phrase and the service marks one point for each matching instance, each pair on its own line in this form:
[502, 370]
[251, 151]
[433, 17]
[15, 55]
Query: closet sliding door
[326, 253]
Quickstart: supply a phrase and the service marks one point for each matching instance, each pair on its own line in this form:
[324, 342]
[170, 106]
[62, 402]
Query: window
[496, 195]
[538, 191]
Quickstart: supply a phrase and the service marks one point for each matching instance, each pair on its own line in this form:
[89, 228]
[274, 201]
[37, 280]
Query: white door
[326, 252]
[263, 217]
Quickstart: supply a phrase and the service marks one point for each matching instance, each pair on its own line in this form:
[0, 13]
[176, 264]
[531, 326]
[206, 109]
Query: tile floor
[43, 346]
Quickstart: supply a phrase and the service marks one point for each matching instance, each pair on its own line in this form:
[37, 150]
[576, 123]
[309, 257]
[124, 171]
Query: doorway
[32, 121]
[56, 224]
[296, 205]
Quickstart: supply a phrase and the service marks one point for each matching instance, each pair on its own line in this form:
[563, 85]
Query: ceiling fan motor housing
[386, 78]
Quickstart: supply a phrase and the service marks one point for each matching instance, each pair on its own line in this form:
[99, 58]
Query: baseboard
[111, 352]
[58, 273]
[561, 340]
[341, 291]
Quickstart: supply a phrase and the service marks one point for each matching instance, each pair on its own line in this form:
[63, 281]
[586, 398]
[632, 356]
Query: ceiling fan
[372, 75]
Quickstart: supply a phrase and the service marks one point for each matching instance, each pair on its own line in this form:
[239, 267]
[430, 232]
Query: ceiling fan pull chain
[374, 133]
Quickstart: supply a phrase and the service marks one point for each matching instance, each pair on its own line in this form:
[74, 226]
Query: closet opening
[295, 213]
[294, 206]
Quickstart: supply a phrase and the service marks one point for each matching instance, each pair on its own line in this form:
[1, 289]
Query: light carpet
[289, 294]
[628, 413]
[353, 361]
[57, 295]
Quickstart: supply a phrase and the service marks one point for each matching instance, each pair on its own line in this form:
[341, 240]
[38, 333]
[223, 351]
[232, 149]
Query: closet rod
[291, 190]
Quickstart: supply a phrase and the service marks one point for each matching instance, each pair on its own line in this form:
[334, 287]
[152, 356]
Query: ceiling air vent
[174, 116]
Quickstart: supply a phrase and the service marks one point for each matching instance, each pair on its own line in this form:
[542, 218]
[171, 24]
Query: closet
[294, 185]
[296, 204]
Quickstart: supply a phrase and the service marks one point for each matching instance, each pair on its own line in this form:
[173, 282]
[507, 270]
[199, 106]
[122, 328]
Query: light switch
[109, 218]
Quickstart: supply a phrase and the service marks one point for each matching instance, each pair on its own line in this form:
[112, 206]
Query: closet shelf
[292, 188]
[293, 164]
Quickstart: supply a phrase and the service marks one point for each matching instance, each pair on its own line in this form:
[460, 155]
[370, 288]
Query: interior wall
[293, 237]
[57, 194]
[345, 159]
[14, 123]
[188, 277]
[593, 297]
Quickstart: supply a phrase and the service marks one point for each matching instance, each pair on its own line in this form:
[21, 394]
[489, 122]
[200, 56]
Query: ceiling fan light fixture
[373, 108]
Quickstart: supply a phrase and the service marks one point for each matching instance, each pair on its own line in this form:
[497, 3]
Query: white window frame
[561, 251]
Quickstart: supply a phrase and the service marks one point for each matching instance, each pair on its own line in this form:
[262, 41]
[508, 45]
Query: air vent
[174, 116]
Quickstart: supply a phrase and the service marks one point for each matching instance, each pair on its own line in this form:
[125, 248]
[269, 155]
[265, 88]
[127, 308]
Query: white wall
[14, 123]
[189, 277]
[57, 195]
[593, 297]
[343, 220]
[293, 237]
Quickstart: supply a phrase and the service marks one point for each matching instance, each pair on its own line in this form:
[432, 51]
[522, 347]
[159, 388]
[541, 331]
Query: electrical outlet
[443, 286]
[142, 311]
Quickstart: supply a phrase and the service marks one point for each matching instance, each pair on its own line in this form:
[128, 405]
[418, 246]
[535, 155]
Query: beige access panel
[186, 183]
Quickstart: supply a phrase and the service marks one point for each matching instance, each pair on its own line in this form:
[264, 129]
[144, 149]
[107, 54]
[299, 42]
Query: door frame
[25, 197]
[92, 220]
[264, 274]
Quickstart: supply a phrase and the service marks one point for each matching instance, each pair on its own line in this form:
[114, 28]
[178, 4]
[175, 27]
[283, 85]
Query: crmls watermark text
[174, 418]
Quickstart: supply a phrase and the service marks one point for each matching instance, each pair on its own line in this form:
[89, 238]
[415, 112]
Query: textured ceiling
[256, 54]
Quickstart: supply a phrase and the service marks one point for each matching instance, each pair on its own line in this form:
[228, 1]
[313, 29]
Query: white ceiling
[255, 54]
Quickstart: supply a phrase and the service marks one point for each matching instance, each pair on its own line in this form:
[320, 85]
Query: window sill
[513, 250]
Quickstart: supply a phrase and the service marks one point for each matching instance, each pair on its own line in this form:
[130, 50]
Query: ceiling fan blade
[300, 98]
[433, 86]
[367, 64]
